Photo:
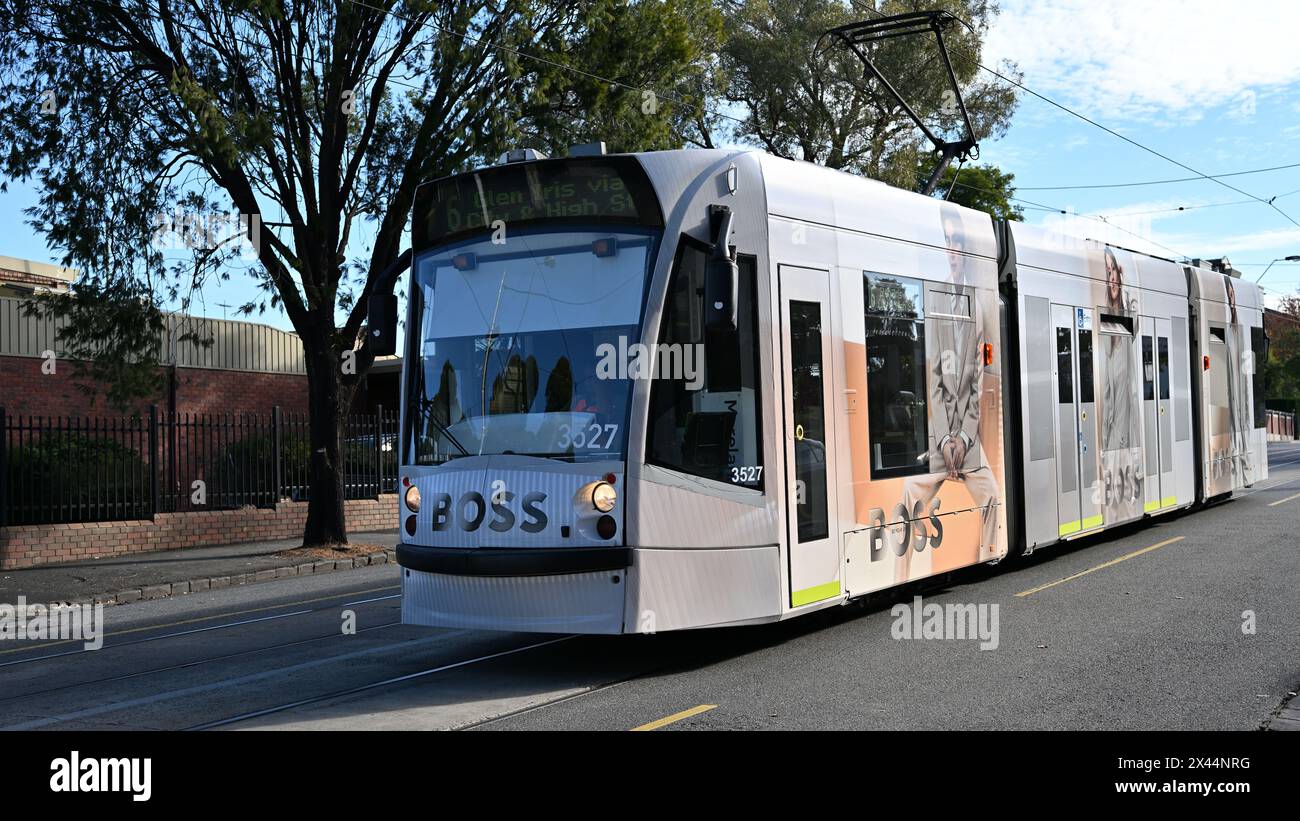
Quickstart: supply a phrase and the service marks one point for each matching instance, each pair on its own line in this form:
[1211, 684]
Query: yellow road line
[1283, 501]
[1101, 566]
[675, 717]
[203, 618]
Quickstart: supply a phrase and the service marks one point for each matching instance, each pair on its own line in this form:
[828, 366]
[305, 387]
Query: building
[249, 367]
[23, 277]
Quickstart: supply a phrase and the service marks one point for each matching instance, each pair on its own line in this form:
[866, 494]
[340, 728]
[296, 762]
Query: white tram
[699, 388]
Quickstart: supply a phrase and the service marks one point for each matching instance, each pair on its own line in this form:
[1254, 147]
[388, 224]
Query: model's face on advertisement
[1113, 280]
[956, 241]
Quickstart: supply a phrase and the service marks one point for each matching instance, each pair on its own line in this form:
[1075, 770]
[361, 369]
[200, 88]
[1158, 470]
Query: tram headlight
[603, 497]
[413, 499]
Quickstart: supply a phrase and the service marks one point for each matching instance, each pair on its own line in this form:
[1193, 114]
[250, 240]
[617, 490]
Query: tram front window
[522, 346]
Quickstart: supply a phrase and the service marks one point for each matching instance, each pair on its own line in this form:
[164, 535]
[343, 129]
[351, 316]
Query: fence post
[379, 450]
[4, 470]
[172, 418]
[153, 461]
[275, 454]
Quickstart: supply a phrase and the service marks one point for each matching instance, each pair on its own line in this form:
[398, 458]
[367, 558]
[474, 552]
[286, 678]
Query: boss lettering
[441, 507]
[538, 519]
[503, 516]
[480, 509]
[471, 509]
[906, 531]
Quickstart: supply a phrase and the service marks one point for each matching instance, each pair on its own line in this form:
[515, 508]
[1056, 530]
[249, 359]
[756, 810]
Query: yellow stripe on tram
[814, 594]
[1153, 505]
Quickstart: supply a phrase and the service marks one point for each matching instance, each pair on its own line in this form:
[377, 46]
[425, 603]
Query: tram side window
[704, 410]
[896, 393]
[1163, 349]
[1064, 367]
[1219, 372]
[1259, 351]
[1148, 370]
[1085, 366]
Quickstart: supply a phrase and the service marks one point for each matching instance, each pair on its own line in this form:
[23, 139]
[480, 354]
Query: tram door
[1079, 495]
[1157, 415]
[814, 555]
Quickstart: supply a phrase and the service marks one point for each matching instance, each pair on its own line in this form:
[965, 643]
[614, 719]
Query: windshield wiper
[538, 455]
[426, 413]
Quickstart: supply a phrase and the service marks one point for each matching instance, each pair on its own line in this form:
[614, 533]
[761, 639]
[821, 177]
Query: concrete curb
[1287, 716]
[153, 592]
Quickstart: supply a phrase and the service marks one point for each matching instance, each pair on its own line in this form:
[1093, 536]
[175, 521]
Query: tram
[690, 389]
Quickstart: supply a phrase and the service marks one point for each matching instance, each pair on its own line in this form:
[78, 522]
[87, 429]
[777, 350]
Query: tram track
[182, 633]
[388, 682]
[188, 665]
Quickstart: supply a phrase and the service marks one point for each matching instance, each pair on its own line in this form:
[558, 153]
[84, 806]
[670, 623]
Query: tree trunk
[326, 520]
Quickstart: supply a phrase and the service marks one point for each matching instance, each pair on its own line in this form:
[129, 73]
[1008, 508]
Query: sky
[1215, 86]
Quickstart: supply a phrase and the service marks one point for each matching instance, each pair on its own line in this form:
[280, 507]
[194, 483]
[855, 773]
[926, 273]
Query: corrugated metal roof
[236, 345]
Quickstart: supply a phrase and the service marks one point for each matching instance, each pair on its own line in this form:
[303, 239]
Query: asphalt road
[1139, 630]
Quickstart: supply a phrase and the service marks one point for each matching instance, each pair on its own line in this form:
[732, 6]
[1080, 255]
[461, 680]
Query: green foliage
[817, 105]
[110, 333]
[660, 53]
[1282, 371]
[121, 113]
[982, 187]
[245, 468]
[87, 478]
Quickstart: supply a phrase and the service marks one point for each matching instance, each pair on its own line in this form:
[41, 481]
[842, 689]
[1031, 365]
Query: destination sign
[572, 190]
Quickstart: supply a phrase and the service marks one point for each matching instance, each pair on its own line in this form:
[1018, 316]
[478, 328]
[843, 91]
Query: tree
[664, 56]
[816, 104]
[1282, 370]
[982, 187]
[313, 122]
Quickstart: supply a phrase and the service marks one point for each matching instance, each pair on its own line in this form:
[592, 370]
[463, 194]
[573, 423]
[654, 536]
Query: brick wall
[25, 390]
[32, 545]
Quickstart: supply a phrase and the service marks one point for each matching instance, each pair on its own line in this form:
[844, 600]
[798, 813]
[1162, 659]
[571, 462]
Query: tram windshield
[519, 345]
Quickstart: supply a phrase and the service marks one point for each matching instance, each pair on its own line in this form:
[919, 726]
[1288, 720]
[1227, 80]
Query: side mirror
[722, 276]
[381, 324]
[721, 282]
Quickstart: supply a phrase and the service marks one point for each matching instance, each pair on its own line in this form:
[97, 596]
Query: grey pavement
[157, 573]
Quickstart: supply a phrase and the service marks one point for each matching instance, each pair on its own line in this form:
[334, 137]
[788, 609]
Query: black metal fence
[63, 469]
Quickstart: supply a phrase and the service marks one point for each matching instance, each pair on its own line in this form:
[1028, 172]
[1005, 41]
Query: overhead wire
[1038, 206]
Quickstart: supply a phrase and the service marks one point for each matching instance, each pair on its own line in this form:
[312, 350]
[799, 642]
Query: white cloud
[1150, 59]
[1262, 244]
[1148, 227]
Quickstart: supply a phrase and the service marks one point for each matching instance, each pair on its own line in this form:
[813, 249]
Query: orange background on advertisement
[961, 532]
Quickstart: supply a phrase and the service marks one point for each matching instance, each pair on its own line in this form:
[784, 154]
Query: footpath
[146, 576]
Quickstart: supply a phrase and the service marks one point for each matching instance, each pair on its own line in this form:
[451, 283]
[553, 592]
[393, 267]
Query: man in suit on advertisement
[955, 335]
[1238, 385]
